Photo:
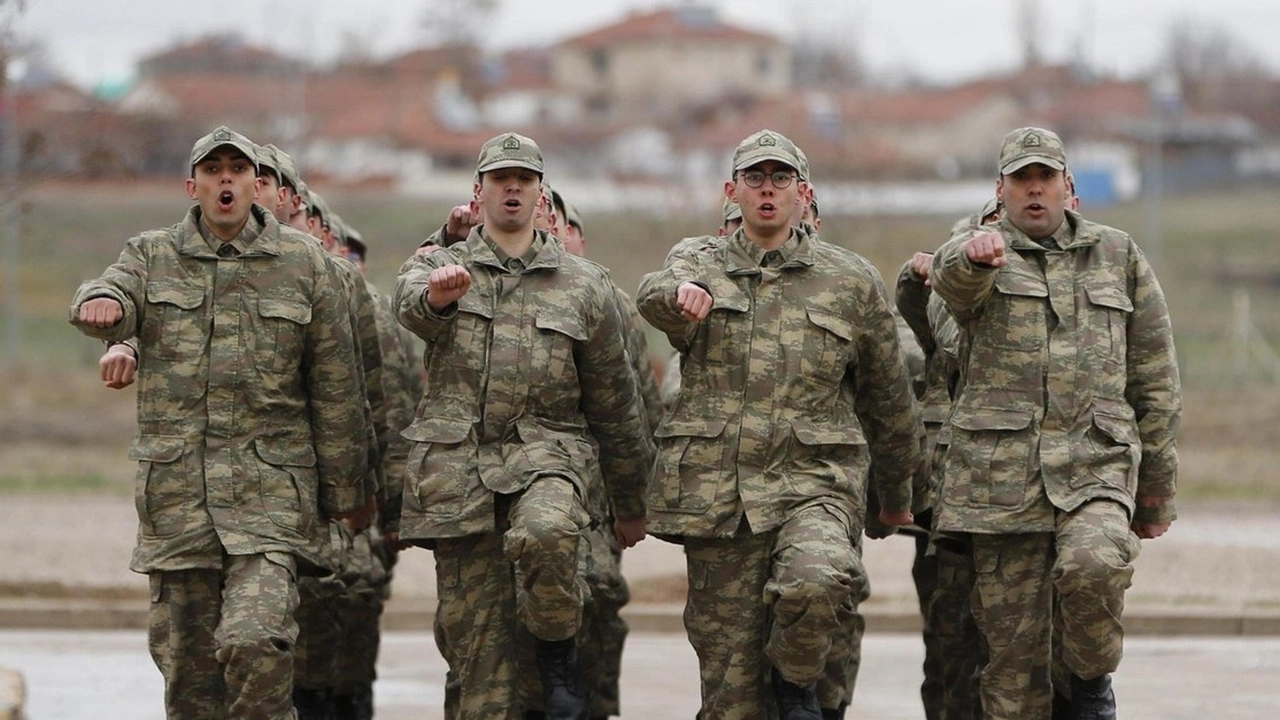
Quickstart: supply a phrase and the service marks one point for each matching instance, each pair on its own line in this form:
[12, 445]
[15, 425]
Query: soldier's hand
[694, 302]
[461, 219]
[1150, 531]
[101, 312]
[118, 366]
[629, 532]
[985, 249]
[921, 264]
[391, 542]
[426, 250]
[358, 520]
[445, 285]
[896, 519]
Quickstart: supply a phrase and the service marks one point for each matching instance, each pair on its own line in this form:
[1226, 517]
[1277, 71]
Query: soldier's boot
[346, 707]
[561, 679]
[1092, 699]
[1061, 707]
[312, 704]
[795, 702]
[834, 714]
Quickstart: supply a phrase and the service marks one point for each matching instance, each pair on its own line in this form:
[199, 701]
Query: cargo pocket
[171, 328]
[287, 482]
[280, 336]
[162, 485]
[432, 483]
[828, 343]
[553, 352]
[690, 458]
[1112, 448]
[1108, 322]
[989, 460]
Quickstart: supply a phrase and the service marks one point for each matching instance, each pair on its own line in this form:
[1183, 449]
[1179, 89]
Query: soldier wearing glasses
[793, 384]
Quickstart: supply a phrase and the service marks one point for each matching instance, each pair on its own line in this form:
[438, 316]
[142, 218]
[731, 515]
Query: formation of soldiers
[1013, 406]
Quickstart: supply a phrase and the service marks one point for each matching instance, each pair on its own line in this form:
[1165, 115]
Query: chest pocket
[470, 345]
[828, 346]
[174, 327]
[1015, 314]
[281, 333]
[1107, 321]
[552, 352]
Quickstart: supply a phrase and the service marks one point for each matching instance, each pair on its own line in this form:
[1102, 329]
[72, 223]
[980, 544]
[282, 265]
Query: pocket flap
[156, 448]
[726, 295]
[563, 323]
[990, 419]
[809, 433]
[476, 303]
[285, 309]
[437, 429]
[285, 451]
[1109, 296]
[187, 297]
[677, 427]
[1012, 282]
[839, 326]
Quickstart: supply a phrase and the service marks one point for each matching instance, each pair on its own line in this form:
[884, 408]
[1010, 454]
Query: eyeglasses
[755, 178]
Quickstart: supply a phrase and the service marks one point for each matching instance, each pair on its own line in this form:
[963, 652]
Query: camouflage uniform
[954, 649]
[245, 428]
[764, 456]
[1067, 411]
[523, 372]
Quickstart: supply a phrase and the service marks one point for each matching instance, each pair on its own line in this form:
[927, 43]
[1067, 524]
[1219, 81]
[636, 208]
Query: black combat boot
[1092, 699]
[795, 702]
[834, 714]
[561, 679]
[1061, 707]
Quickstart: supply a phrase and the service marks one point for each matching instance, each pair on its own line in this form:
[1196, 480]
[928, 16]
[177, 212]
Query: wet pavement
[107, 675]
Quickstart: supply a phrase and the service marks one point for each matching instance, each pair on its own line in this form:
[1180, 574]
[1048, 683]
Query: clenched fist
[445, 285]
[694, 302]
[101, 312]
[986, 249]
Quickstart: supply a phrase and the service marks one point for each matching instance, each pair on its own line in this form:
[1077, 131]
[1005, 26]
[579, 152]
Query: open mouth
[226, 199]
[512, 204]
[768, 209]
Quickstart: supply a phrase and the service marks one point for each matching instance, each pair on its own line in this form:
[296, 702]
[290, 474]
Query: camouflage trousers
[489, 585]
[223, 639]
[603, 630]
[1087, 560]
[771, 600]
[840, 677]
[320, 629]
[962, 652]
[924, 574]
[362, 603]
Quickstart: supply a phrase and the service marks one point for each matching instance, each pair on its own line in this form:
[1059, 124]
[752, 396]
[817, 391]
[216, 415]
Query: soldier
[1063, 436]
[245, 427]
[791, 368]
[525, 367]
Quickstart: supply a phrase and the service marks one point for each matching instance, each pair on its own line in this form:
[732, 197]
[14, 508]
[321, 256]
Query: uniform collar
[746, 257]
[260, 235]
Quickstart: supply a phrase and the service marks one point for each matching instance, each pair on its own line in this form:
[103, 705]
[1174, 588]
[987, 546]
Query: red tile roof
[686, 24]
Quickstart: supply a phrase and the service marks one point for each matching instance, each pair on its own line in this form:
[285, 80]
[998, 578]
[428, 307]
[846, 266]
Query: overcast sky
[943, 40]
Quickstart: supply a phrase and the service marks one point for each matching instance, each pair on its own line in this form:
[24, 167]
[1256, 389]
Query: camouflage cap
[303, 192]
[223, 135]
[813, 202]
[730, 210]
[1028, 145]
[766, 145]
[355, 241]
[336, 226]
[572, 216]
[803, 170]
[991, 206]
[509, 150]
[318, 207]
[287, 169]
[266, 160]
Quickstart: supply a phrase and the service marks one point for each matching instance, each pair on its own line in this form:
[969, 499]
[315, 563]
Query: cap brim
[249, 154]
[1022, 162]
[756, 159]
[502, 164]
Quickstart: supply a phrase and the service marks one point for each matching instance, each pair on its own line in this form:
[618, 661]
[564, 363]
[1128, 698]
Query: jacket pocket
[822, 451]
[1107, 324]
[989, 461]
[439, 464]
[558, 335]
[281, 333]
[172, 328]
[690, 464]
[162, 485]
[1112, 448]
[288, 482]
[1014, 317]
[828, 346]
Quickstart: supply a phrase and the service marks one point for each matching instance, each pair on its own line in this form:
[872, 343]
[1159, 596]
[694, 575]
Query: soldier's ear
[731, 190]
[1000, 188]
[191, 188]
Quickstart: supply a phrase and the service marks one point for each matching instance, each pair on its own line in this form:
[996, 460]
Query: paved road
[107, 675]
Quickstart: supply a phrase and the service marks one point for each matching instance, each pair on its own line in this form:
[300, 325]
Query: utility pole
[11, 256]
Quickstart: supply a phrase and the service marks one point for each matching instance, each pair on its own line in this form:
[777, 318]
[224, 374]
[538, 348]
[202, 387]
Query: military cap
[223, 135]
[572, 216]
[317, 206]
[766, 145]
[803, 170]
[336, 225]
[991, 206]
[509, 150]
[1028, 145]
[355, 241]
[266, 160]
[813, 203]
[730, 210]
[286, 168]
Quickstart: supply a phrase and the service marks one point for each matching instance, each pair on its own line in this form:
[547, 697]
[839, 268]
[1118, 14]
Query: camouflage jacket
[402, 381]
[248, 429]
[522, 373]
[363, 321]
[790, 388]
[1069, 388]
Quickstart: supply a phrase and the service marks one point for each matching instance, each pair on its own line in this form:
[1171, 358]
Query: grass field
[60, 430]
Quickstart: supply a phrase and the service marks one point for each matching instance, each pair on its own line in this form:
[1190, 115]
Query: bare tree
[825, 51]
[1199, 51]
[456, 23]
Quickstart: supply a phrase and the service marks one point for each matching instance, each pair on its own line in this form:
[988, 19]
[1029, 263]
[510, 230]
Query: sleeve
[125, 281]
[656, 298]
[964, 285]
[1153, 388]
[912, 299]
[641, 363]
[410, 299]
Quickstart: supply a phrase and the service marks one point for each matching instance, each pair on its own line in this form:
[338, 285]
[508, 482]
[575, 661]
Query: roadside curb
[32, 613]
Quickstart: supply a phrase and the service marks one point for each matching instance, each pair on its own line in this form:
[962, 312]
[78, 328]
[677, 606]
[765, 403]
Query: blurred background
[1170, 110]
